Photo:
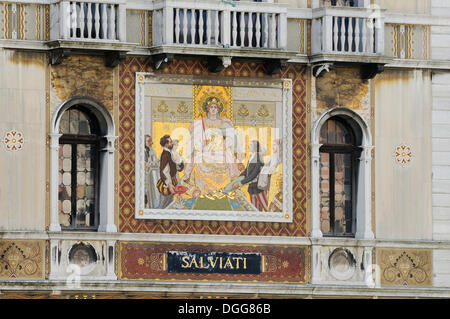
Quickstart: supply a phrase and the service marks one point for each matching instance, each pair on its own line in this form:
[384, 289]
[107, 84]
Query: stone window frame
[106, 162]
[363, 183]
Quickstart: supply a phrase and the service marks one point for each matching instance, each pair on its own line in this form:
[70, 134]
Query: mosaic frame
[283, 84]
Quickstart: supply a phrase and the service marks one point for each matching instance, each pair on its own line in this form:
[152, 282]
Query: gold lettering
[237, 259]
[228, 262]
[245, 263]
[193, 261]
[211, 262]
[185, 260]
[201, 264]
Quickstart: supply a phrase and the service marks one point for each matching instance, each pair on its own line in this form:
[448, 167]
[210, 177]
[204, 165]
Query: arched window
[79, 146]
[82, 166]
[338, 178]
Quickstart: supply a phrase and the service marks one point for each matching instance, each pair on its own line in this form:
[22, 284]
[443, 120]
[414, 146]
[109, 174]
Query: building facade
[278, 149]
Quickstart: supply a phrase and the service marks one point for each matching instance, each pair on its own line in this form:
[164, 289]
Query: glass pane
[75, 121]
[65, 184]
[325, 193]
[343, 194]
[85, 185]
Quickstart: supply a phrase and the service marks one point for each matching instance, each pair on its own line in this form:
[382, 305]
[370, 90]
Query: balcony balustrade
[218, 24]
[347, 31]
[89, 21]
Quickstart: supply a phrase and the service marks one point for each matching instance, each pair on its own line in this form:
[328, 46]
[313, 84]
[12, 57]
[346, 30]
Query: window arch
[341, 192]
[82, 167]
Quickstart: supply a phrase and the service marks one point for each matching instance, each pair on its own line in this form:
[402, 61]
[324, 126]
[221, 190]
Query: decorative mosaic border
[237, 70]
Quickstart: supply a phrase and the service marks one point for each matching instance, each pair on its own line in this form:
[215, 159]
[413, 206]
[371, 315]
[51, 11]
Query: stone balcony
[223, 29]
[97, 25]
[340, 31]
[342, 34]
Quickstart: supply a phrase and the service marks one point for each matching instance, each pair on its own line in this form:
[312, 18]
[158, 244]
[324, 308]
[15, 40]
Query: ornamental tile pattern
[21, 259]
[405, 267]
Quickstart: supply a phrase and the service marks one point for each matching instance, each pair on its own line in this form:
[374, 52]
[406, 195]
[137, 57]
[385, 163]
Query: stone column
[315, 191]
[107, 187]
[54, 181]
[364, 197]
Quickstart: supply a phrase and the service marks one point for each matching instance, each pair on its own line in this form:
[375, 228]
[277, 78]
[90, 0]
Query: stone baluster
[242, 29]
[185, 26]
[335, 31]
[250, 29]
[201, 29]
[81, 21]
[350, 34]
[97, 20]
[208, 27]
[364, 35]
[104, 21]
[342, 35]
[266, 30]
[177, 25]
[258, 29]
[192, 22]
[73, 20]
[357, 35]
[234, 31]
[89, 20]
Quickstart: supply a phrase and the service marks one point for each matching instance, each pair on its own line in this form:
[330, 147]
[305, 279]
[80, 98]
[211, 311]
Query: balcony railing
[89, 20]
[345, 30]
[217, 24]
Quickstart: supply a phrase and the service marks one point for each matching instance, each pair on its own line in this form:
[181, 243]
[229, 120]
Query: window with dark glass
[78, 170]
[338, 156]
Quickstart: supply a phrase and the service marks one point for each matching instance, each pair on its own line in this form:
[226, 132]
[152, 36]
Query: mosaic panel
[127, 220]
[147, 261]
[20, 259]
[405, 267]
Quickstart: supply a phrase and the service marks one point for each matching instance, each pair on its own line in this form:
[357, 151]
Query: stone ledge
[192, 288]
